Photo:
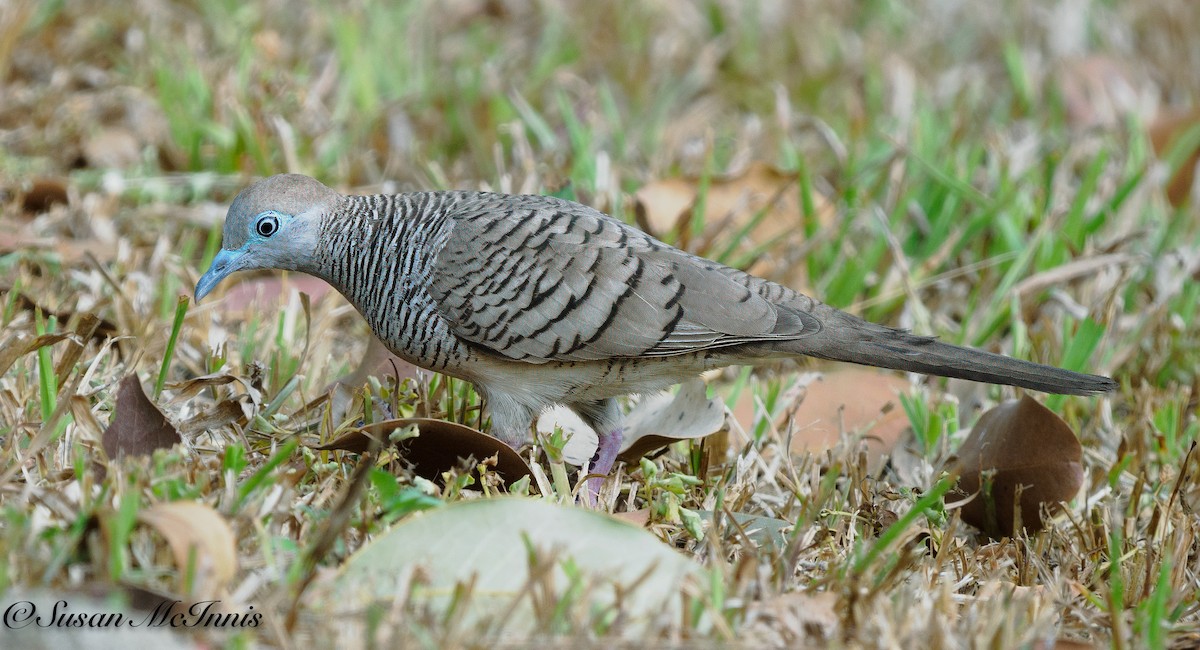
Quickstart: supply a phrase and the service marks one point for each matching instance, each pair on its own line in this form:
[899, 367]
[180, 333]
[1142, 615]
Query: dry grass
[1002, 146]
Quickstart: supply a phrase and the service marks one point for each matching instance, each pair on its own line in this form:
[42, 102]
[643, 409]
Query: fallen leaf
[1167, 131]
[137, 427]
[852, 401]
[487, 543]
[439, 447]
[1019, 446]
[654, 422]
[43, 194]
[201, 541]
[85, 329]
[87, 426]
[759, 207]
[188, 388]
[639, 517]
[665, 205]
[222, 414]
[659, 420]
[14, 348]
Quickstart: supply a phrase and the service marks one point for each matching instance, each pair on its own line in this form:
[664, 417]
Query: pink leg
[602, 463]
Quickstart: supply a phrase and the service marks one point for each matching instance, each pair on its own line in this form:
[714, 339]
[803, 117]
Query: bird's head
[273, 224]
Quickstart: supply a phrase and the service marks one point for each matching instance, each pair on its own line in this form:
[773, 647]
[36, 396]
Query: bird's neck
[366, 242]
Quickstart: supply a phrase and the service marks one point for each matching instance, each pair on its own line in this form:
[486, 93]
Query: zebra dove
[541, 301]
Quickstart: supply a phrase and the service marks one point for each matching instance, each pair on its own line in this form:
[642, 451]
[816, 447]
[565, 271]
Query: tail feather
[846, 338]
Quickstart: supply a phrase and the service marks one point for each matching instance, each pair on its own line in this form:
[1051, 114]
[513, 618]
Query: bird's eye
[267, 225]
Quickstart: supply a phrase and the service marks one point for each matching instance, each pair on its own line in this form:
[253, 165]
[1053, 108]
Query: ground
[1016, 176]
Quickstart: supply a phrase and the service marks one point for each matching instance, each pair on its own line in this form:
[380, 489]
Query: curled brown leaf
[439, 447]
[1019, 458]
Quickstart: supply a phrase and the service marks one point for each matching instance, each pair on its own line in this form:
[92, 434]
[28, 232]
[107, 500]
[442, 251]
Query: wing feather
[539, 279]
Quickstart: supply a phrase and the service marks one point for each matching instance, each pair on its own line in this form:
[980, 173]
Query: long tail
[847, 338]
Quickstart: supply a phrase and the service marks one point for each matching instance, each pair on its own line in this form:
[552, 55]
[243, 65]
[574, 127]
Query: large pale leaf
[485, 541]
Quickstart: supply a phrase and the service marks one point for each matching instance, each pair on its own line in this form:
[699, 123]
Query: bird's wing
[538, 279]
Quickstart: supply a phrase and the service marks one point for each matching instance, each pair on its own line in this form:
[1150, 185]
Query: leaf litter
[138, 427]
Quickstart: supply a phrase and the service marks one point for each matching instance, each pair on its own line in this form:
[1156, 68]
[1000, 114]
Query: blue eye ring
[266, 225]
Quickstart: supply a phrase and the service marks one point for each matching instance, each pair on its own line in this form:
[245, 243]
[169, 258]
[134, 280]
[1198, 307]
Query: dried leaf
[760, 206]
[201, 541]
[137, 427]
[665, 205]
[639, 517]
[43, 194]
[188, 388]
[1165, 132]
[223, 414]
[440, 447]
[84, 330]
[14, 348]
[659, 420]
[655, 422]
[855, 400]
[1018, 447]
[87, 426]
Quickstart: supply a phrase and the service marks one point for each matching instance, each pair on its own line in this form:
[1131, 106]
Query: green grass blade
[181, 307]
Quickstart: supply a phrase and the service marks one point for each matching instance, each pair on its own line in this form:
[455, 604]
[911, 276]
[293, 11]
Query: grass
[969, 198]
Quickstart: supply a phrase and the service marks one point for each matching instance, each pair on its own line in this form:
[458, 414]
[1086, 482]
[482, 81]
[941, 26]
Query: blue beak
[222, 265]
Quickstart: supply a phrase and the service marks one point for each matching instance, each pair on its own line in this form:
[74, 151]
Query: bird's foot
[606, 454]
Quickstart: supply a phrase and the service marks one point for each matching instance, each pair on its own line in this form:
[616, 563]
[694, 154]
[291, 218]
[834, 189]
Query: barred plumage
[538, 300]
